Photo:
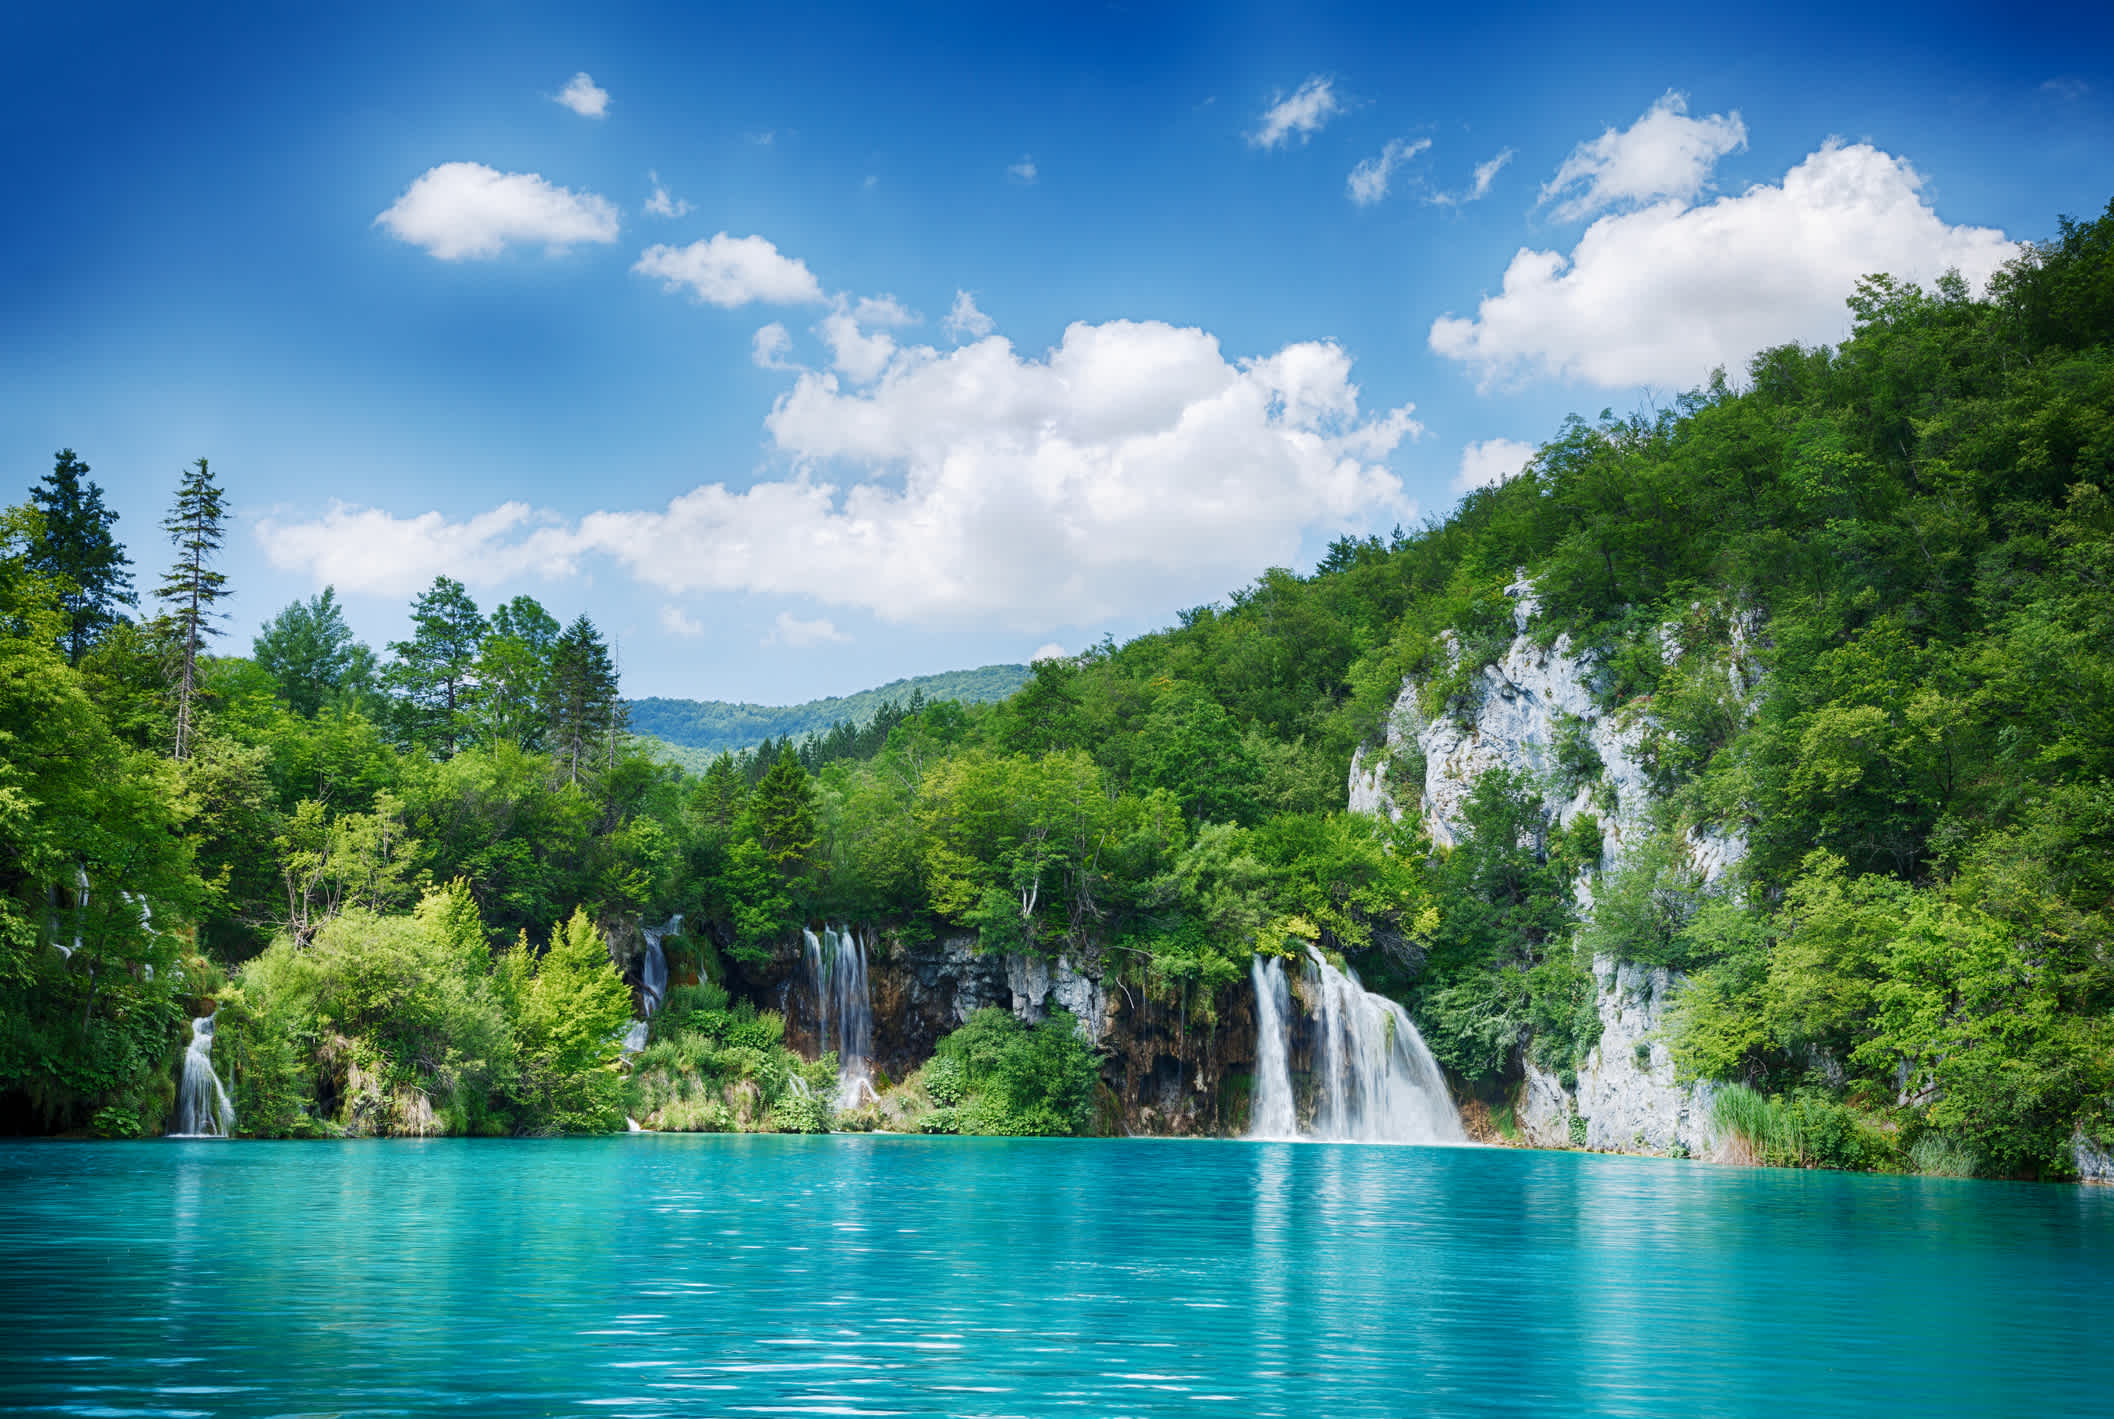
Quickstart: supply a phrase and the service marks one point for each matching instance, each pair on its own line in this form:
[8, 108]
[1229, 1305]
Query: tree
[310, 651]
[76, 549]
[192, 587]
[513, 673]
[433, 672]
[582, 696]
[782, 812]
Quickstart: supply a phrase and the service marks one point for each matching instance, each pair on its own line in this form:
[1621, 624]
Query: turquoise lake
[876, 1275]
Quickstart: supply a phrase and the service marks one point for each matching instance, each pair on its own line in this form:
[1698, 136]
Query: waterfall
[1272, 1115]
[653, 969]
[1374, 1079]
[836, 963]
[202, 1107]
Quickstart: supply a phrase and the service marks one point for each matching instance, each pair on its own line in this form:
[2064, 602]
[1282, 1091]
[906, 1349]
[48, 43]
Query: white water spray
[653, 979]
[836, 962]
[1272, 1115]
[1374, 1079]
[202, 1107]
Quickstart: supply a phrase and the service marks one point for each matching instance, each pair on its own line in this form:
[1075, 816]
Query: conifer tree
[434, 670]
[76, 548]
[782, 810]
[582, 696]
[192, 587]
[311, 652]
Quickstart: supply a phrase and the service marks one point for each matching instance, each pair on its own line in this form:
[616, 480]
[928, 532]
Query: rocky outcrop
[2094, 1159]
[1536, 712]
[1162, 1072]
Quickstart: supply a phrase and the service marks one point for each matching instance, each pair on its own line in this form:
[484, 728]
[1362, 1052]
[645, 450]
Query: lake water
[874, 1275]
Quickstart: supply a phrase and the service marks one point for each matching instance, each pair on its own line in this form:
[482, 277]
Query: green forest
[706, 727]
[397, 874]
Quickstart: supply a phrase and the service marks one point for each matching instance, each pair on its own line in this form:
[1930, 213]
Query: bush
[1020, 1079]
[945, 1081]
[799, 1113]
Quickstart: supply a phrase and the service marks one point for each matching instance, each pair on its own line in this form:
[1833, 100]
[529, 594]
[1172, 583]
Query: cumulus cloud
[676, 622]
[772, 348]
[791, 630]
[1490, 462]
[660, 204]
[1132, 465]
[1302, 113]
[859, 354]
[965, 321]
[1051, 651]
[1664, 294]
[1663, 154]
[732, 271]
[1024, 170]
[1485, 174]
[364, 549]
[460, 210]
[1369, 180]
[582, 97]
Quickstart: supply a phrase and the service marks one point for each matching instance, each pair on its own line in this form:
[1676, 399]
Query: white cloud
[2068, 89]
[582, 97]
[857, 354]
[884, 310]
[732, 271]
[965, 321]
[1368, 181]
[1485, 174]
[676, 622]
[1665, 153]
[1134, 465]
[772, 348]
[1664, 294]
[660, 204]
[462, 210]
[1304, 112]
[1051, 651]
[364, 549]
[791, 630]
[1490, 462]
[1024, 170]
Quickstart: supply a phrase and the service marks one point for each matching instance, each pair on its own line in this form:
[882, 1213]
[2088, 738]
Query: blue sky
[414, 306]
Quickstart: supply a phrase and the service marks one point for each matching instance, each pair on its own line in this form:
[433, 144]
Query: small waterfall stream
[1374, 1079]
[836, 962]
[202, 1107]
[653, 979]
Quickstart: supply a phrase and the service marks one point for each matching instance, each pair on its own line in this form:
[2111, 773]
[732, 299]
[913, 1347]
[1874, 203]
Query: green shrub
[799, 1113]
[945, 1081]
[1021, 1079]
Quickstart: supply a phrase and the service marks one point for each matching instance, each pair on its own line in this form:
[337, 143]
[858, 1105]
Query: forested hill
[713, 725]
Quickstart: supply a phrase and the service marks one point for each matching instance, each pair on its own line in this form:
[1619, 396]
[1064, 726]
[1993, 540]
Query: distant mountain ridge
[714, 725]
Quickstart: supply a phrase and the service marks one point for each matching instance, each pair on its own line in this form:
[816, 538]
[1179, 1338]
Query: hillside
[713, 725]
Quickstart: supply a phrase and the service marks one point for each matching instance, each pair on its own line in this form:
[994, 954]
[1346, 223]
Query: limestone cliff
[1519, 708]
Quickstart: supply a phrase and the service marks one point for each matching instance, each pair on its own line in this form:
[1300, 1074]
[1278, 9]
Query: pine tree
[192, 587]
[311, 652]
[782, 811]
[434, 670]
[75, 547]
[582, 696]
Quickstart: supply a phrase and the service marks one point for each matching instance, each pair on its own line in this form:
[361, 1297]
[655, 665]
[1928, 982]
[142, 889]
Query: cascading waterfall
[1273, 1115]
[836, 962]
[653, 979]
[202, 1107]
[1375, 1081]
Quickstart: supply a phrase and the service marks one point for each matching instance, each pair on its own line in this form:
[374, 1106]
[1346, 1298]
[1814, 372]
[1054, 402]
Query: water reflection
[857, 1275]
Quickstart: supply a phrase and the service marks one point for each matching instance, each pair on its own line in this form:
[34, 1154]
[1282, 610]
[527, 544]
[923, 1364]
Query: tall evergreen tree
[782, 810]
[584, 709]
[513, 673]
[192, 587]
[434, 670]
[311, 652]
[75, 546]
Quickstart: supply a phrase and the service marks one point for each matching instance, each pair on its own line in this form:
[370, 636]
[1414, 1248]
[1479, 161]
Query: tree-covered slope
[716, 725]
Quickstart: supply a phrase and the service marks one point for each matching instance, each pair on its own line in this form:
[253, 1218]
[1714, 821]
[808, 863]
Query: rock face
[2095, 1160]
[1161, 1074]
[1531, 701]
